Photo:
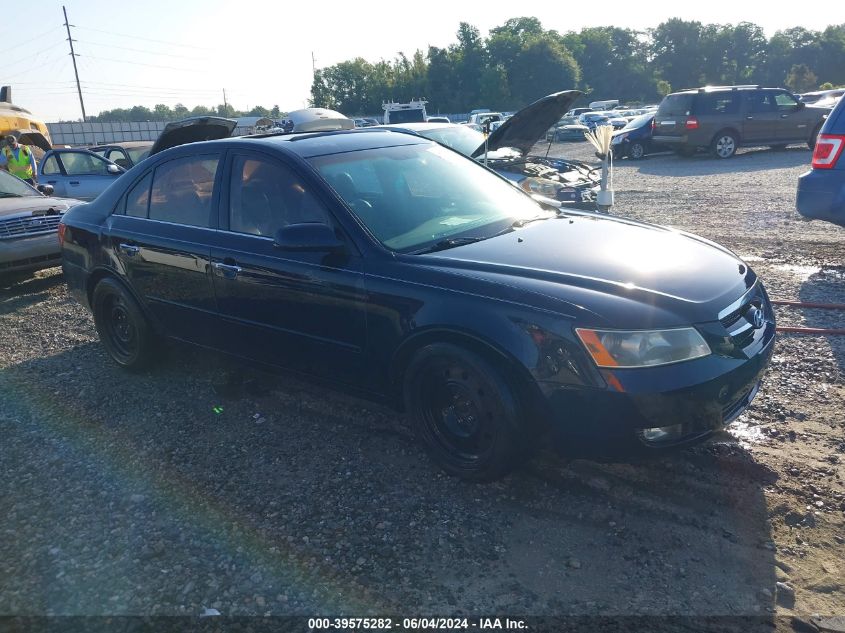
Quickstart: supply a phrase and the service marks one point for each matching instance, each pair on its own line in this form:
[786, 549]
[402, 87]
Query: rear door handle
[73, 182]
[783, 116]
[749, 118]
[229, 271]
[130, 249]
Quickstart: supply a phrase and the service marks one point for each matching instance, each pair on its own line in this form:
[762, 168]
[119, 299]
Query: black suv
[722, 118]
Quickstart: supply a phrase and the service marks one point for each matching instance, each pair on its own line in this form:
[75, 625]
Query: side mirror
[308, 237]
[114, 169]
[800, 105]
[47, 190]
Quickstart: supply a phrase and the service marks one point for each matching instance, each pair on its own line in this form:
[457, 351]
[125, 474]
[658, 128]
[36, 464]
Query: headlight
[541, 186]
[642, 348]
[618, 139]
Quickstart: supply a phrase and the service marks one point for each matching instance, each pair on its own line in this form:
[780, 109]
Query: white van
[604, 105]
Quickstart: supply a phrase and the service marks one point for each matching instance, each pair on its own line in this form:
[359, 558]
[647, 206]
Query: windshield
[640, 121]
[137, 154]
[460, 138]
[12, 187]
[407, 116]
[413, 197]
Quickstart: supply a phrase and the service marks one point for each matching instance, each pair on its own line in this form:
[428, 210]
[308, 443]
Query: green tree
[801, 79]
[677, 53]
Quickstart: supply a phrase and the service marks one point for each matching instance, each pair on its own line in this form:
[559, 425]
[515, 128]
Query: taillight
[692, 123]
[653, 125]
[827, 150]
[62, 228]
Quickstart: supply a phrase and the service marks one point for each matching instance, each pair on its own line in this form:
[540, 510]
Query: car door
[118, 156]
[160, 234]
[82, 174]
[50, 173]
[302, 310]
[792, 121]
[761, 117]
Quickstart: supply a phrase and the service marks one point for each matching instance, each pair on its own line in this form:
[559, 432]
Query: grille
[740, 331]
[29, 225]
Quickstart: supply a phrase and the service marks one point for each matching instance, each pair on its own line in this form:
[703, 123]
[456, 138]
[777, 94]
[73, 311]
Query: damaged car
[507, 151]
[29, 219]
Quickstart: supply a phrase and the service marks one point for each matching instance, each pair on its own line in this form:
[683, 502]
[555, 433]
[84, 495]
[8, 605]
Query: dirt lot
[129, 494]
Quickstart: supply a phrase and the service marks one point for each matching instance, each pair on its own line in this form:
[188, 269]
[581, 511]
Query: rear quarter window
[717, 103]
[675, 105]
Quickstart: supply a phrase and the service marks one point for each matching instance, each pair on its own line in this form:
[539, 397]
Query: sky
[260, 52]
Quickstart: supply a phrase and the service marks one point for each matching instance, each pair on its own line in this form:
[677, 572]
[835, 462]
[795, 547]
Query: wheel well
[102, 273]
[726, 129]
[500, 359]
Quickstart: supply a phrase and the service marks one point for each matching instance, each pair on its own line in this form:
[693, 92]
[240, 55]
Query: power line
[31, 39]
[126, 61]
[140, 50]
[146, 39]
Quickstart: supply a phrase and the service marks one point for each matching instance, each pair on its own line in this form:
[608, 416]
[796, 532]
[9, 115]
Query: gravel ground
[128, 494]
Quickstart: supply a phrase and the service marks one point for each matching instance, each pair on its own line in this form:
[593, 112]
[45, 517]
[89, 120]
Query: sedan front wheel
[465, 413]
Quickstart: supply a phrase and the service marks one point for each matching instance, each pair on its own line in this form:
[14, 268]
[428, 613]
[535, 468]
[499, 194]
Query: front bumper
[32, 252]
[692, 399]
[821, 195]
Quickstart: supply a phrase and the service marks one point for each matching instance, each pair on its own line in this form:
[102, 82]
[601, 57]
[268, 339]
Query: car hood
[530, 124]
[201, 128]
[583, 259]
[33, 137]
[36, 205]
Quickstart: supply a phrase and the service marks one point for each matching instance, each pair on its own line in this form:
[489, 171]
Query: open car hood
[33, 137]
[529, 125]
[200, 128]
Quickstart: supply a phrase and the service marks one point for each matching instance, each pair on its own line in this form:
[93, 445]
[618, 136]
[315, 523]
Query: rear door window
[675, 105]
[717, 103]
[183, 189]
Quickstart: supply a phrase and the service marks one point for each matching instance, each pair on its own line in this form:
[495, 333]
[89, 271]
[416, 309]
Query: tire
[636, 151]
[811, 143]
[724, 144]
[465, 413]
[123, 329]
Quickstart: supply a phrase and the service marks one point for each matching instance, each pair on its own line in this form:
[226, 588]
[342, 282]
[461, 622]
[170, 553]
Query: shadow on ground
[151, 494]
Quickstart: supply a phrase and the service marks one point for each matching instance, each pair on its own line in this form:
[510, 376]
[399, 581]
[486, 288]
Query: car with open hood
[29, 218]
[389, 265]
[507, 151]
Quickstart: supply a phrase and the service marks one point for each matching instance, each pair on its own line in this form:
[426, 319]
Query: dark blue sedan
[388, 264]
[821, 191]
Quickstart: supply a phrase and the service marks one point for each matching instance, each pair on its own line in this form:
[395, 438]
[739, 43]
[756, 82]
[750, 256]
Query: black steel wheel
[122, 327]
[465, 412]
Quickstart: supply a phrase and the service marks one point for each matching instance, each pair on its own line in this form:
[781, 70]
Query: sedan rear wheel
[724, 145]
[122, 326]
[465, 412]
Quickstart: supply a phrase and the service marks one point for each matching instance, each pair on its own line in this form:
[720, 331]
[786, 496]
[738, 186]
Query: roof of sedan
[313, 144]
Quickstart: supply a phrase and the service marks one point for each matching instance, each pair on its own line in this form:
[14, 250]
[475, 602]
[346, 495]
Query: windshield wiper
[520, 223]
[452, 242]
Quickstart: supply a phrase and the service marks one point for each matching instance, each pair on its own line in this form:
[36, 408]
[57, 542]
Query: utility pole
[73, 58]
[313, 66]
[225, 104]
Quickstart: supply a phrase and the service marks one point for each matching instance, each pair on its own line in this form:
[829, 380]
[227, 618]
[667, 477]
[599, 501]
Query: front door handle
[783, 116]
[229, 271]
[130, 249]
[73, 182]
[750, 118]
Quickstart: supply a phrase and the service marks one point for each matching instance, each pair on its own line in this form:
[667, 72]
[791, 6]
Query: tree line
[520, 61]
[163, 112]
